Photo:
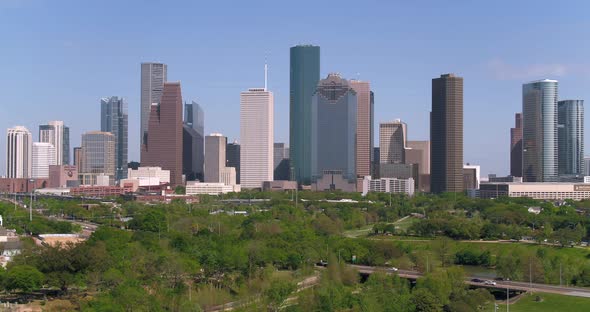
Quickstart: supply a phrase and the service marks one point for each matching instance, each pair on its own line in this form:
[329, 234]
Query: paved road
[522, 286]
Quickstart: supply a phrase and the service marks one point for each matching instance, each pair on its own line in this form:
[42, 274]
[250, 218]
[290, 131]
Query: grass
[550, 302]
[404, 224]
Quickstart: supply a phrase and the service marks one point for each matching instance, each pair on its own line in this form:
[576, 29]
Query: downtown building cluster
[331, 137]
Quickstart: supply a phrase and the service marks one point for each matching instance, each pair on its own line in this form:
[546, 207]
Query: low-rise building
[388, 185]
[279, 185]
[332, 180]
[199, 188]
[97, 191]
[535, 190]
[18, 185]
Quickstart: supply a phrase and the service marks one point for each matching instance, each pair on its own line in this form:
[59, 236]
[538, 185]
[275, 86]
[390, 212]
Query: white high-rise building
[19, 153]
[228, 176]
[153, 76]
[256, 137]
[43, 157]
[214, 157]
[56, 134]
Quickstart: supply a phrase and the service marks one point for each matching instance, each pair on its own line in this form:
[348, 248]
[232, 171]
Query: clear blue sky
[60, 57]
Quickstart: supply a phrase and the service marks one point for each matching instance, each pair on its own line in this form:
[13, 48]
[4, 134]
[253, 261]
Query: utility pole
[530, 275]
[507, 299]
[560, 274]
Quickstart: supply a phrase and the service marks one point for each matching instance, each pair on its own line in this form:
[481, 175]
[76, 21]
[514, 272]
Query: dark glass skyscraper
[539, 132]
[516, 147]
[571, 137]
[304, 77]
[114, 119]
[446, 134]
[193, 138]
[232, 158]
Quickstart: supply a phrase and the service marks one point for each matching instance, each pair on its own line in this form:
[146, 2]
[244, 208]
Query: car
[393, 269]
[477, 280]
[322, 263]
[488, 282]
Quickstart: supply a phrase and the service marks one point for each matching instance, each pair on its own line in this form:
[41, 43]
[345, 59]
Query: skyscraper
[214, 157]
[392, 142]
[193, 137]
[364, 129]
[114, 119]
[516, 147]
[333, 128]
[164, 136]
[153, 77]
[446, 134]
[256, 137]
[418, 152]
[78, 158]
[97, 157]
[43, 157]
[304, 77]
[281, 162]
[19, 153]
[58, 135]
[571, 137]
[539, 132]
[232, 157]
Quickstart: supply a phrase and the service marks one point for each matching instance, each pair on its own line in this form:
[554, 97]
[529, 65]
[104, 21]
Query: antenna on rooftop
[265, 74]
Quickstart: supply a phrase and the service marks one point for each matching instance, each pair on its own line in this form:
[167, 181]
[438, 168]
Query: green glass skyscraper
[304, 78]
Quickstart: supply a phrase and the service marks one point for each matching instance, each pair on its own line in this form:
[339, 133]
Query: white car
[488, 282]
[393, 269]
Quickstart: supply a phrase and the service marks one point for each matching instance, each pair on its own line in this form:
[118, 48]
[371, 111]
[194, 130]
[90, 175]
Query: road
[522, 286]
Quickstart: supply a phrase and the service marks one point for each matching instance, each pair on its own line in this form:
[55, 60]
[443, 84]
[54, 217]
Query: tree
[23, 277]
[426, 301]
[443, 247]
[278, 292]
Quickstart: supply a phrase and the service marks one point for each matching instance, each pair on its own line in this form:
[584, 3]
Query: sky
[60, 57]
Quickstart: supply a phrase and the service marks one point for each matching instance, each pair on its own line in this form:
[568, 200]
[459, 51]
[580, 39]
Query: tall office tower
[539, 131]
[516, 147]
[114, 119]
[193, 137]
[281, 162]
[586, 166]
[58, 135]
[97, 157]
[418, 152]
[164, 137]
[78, 158]
[364, 129]
[256, 137]
[392, 142]
[153, 77]
[304, 78]
[232, 158]
[375, 159]
[570, 118]
[43, 157]
[19, 153]
[446, 134]
[333, 128]
[214, 157]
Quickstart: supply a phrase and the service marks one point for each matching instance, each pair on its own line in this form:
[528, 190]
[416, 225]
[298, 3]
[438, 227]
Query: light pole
[507, 299]
[31, 205]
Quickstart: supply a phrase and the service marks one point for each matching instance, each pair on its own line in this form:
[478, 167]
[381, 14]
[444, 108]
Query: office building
[586, 166]
[153, 77]
[536, 190]
[78, 158]
[446, 134]
[164, 137]
[334, 180]
[43, 157]
[58, 135]
[209, 188]
[516, 147]
[61, 176]
[304, 78]
[539, 132]
[19, 153]
[149, 176]
[388, 185]
[418, 153]
[227, 176]
[279, 186]
[364, 127]
[281, 162]
[114, 119]
[232, 158]
[471, 177]
[570, 119]
[392, 142]
[98, 158]
[333, 128]
[375, 159]
[256, 137]
[215, 144]
[193, 138]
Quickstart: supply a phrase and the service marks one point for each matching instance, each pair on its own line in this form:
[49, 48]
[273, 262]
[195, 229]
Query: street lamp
[31, 204]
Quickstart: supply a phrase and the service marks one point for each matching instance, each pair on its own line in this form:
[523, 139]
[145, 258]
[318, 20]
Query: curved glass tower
[571, 137]
[539, 151]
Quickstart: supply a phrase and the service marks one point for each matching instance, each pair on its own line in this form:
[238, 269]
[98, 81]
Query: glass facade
[193, 137]
[98, 156]
[114, 119]
[571, 137]
[539, 110]
[304, 77]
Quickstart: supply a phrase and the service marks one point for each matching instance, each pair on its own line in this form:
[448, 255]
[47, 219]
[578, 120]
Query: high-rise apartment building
[364, 127]
[153, 77]
[446, 134]
[232, 158]
[570, 119]
[43, 157]
[193, 137]
[58, 135]
[114, 119]
[304, 78]
[97, 157]
[392, 142]
[333, 128]
[516, 147]
[19, 153]
[214, 157]
[256, 137]
[539, 132]
[164, 136]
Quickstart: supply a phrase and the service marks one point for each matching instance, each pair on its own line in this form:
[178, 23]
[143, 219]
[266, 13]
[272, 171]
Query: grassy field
[550, 302]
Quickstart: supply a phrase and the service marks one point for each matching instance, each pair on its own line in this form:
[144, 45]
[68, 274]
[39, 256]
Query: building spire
[265, 74]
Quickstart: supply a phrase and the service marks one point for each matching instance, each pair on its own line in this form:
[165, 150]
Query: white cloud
[504, 71]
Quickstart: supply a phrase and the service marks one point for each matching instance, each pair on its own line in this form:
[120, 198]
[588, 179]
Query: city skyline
[493, 79]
